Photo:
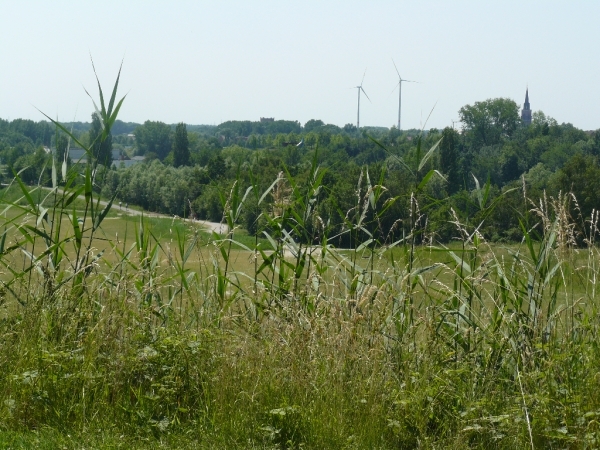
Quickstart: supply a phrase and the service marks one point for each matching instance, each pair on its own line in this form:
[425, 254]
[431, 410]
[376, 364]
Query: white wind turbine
[400, 92]
[360, 88]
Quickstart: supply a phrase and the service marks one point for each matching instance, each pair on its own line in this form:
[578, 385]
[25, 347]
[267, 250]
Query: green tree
[488, 122]
[216, 167]
[350, 128]
[40, 133]
[312, 124]
[486, 163]
[253, 141]
[595, 143]
[181, 146]
[153, 137]
[101, 144]
[34, 167]
[449, 159]
[509, 167]
[542, 123]
[581, 176]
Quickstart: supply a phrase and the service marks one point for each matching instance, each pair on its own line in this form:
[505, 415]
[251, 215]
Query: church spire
[526, 111]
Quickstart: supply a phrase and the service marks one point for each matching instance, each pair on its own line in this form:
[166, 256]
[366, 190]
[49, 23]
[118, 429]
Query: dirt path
[219, 228]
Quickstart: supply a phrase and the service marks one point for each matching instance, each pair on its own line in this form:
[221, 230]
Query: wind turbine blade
[397, 84]
[396, 68]
[410, 81]
[363, 78]
[365, 93]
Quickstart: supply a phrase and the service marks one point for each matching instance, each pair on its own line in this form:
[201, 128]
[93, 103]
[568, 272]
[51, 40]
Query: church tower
[526, 111]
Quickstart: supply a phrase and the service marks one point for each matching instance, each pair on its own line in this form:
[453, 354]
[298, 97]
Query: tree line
[188, 170]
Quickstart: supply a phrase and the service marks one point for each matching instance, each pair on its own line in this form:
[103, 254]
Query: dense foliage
[188, 168]
[492, 146]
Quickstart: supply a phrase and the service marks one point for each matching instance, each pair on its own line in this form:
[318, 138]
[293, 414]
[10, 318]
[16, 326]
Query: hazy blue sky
[204, 62]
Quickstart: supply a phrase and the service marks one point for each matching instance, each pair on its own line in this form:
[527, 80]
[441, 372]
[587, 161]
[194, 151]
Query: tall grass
[150, 342]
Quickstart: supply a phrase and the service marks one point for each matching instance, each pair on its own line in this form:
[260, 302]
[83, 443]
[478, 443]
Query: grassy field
[181, 339]
[130, 332]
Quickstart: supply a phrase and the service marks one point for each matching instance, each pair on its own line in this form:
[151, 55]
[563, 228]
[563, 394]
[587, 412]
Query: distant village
[120, 155]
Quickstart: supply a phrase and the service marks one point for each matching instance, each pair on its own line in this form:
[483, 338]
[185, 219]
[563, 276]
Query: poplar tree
[449, 159]
[181, 146]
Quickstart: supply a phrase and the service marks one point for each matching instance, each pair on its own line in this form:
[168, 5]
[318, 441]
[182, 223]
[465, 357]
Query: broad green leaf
[73, 196]
[425, 180]
[3, 242]
[262, 197]
[100, 217]
[25, 190]
[76, 229]
[421, 270]
[114, 91]
[428, 154]
[460, 261]
[364, 245]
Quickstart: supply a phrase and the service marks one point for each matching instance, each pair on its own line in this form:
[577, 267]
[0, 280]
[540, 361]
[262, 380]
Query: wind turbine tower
[360, 88]
[400, 80]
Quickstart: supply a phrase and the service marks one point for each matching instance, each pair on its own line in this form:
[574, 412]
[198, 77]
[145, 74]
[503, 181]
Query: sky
[206, 62]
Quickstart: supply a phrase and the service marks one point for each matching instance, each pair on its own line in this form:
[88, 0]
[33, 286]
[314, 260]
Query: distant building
[267, 119]
[77, 154]
[526, 111]
[129, 162]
